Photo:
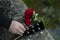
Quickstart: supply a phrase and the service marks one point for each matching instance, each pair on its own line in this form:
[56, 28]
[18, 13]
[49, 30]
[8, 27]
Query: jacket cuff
[5, 21]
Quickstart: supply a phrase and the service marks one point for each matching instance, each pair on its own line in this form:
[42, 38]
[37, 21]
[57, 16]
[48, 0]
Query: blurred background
[49, 10]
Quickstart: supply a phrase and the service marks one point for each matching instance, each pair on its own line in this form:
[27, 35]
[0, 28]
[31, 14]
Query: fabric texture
[5, 21]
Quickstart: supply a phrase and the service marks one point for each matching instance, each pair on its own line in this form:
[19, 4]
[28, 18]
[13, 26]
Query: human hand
[17, 28]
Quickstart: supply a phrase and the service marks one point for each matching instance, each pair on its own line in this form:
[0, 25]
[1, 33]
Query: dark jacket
[5, 21]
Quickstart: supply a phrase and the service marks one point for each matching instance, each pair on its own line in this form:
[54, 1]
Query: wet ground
[55, 32]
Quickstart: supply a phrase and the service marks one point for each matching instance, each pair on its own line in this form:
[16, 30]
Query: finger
[22, 28]
[18, 32]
